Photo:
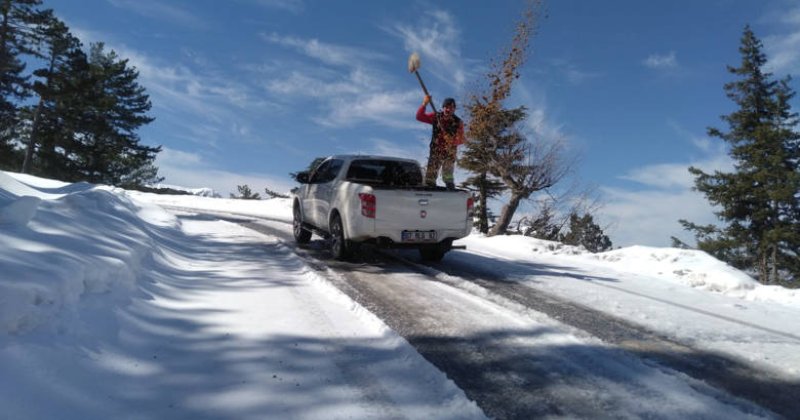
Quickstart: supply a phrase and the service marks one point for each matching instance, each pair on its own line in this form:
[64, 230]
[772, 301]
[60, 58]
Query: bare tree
[526, 167]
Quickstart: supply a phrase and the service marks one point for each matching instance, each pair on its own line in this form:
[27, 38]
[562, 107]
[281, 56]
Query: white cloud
[393, 109]
[330, 54]
[160, 10]
[783, 51]
[648, 213]
[177, 88]
[538, 121]
[572, 72]
[437, 39]
[293, 6]
[650, 217]
[297, 83]
[192, 171]
[661, 61]
[676, 175]
[345, 98]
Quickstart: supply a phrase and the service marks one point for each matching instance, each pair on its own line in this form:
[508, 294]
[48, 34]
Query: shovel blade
[413, 63]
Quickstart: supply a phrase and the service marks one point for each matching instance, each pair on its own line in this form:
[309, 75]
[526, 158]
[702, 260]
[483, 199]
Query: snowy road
[520, 353]
[111, 307]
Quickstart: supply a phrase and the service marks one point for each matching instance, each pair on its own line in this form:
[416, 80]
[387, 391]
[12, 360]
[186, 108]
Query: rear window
[385, 172]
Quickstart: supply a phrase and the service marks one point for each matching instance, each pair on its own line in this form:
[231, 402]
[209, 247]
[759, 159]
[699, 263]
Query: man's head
[449, 106]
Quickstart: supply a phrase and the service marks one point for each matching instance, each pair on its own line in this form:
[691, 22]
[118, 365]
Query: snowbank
[60, 242]
[691, 268]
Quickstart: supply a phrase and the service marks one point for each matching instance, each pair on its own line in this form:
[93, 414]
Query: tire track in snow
[717, 370]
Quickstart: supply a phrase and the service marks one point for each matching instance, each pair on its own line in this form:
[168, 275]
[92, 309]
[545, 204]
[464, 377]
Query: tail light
[470, 206]
[368, 204]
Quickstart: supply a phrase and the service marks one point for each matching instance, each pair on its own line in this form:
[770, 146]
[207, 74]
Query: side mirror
[302, 177]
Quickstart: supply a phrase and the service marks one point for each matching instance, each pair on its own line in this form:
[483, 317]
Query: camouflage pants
[440, 157]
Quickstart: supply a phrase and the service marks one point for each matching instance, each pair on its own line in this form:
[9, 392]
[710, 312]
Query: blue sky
[246, 91]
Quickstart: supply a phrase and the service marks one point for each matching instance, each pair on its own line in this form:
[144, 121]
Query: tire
[340, 247]
[301, 235]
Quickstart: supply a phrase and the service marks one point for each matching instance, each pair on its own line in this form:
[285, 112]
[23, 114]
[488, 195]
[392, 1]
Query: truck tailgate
[420, 210]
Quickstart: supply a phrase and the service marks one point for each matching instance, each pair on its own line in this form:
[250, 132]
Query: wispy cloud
[206, 106]
[572, 72]
[783, 50]
[661, 61]
[540, 121]
[327, 53]
[650, 217]
[160, 10]
[437, 39]
[346, 83]
[648, 212]
[391, 109]
[293, 6]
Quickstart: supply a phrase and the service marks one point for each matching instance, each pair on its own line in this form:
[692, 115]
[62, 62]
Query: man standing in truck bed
[448, 133]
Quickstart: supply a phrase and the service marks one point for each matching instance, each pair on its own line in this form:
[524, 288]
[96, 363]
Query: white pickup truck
[354, 199]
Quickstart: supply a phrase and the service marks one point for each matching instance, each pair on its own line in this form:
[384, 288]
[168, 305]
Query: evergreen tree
[543, 226]
[477, 159]
[245, 193]
[759, 201]
[47, 131]
[585, 232]
[496, 146]
[18, 21]
[486, 187]
[112, 106]
[274, 194]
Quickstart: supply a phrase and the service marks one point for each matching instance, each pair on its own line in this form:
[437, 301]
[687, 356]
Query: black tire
[340, 247]
[301, 235]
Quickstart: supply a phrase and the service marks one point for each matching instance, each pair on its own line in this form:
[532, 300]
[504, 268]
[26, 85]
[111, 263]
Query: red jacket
[430, 118]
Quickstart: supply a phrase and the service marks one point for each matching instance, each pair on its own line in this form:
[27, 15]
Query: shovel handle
[424, 89]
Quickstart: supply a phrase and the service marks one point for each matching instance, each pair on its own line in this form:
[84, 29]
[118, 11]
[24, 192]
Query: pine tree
[18, 22]
[494, 140]
[245, 193]
[485, 186]
[544, 226]
[759, 201]
[585, 232]
[46, 133]
[112, 107]
[274, 194]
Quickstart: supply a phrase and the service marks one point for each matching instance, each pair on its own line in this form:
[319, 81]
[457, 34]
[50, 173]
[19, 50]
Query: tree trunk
[763, 273]
[483, 215]
[26, 164]
[508, 212]
[775, 279]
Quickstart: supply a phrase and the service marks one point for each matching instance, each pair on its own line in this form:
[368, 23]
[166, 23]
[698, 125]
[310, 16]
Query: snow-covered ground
[111, 306]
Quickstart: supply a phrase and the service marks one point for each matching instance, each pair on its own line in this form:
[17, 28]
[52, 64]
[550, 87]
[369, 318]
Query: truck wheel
[301, 234]
[340, 248]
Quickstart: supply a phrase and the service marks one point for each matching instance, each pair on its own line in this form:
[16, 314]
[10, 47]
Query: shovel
[414, 64]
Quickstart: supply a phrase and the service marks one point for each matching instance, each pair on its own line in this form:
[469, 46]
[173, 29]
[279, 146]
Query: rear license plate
[418, 236]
